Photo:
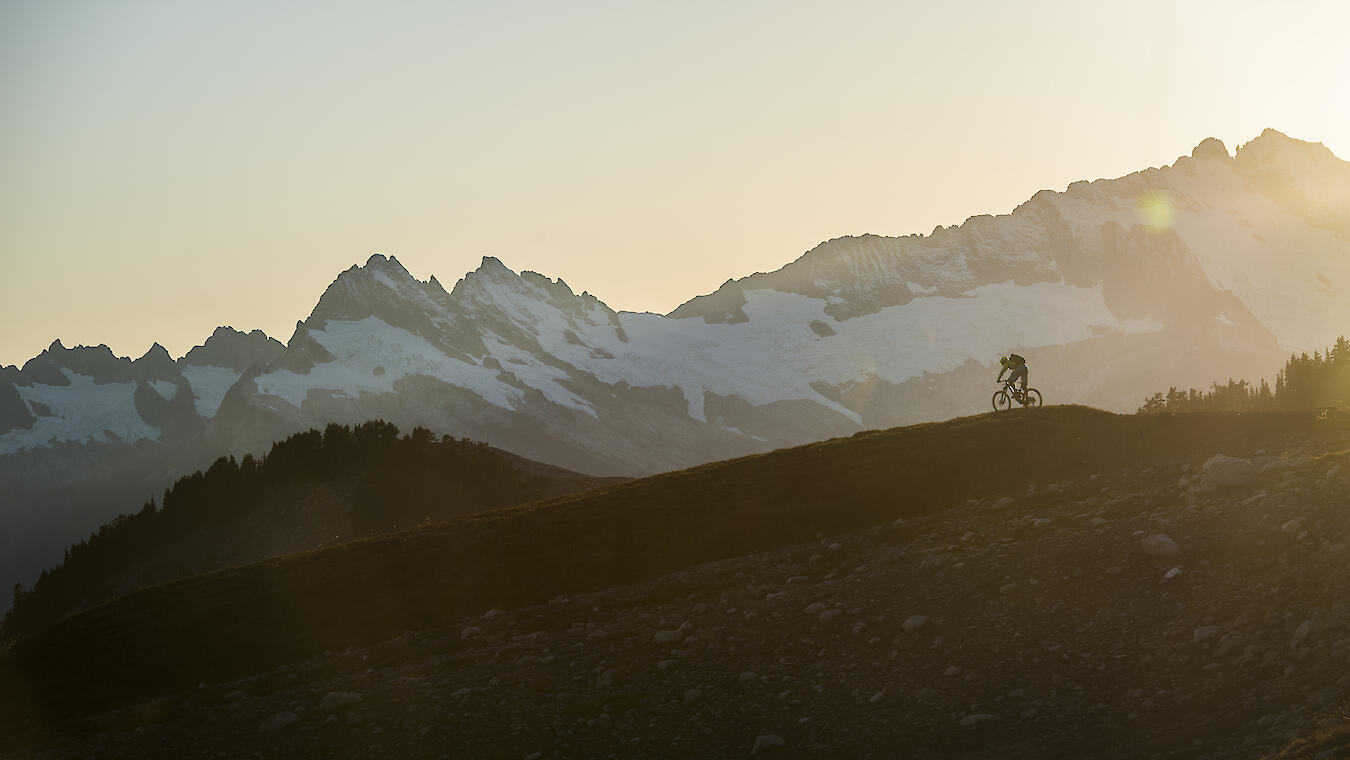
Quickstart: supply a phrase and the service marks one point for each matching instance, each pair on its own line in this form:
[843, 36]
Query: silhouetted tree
[1305, 382]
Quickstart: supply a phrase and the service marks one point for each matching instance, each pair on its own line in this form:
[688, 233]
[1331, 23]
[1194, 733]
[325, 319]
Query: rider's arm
[1000, 374]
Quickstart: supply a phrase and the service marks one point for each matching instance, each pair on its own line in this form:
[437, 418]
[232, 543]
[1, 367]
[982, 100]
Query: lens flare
[1156, 211]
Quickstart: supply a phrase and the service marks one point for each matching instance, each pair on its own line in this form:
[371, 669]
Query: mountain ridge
[1214, 266]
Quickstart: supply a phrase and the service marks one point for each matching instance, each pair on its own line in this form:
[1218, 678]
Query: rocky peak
[1305, 178]
[230, 348]
[1273, 146]
[381, 288]
[493, 287]
[155, 363]
[1210, 148]
[97, 362]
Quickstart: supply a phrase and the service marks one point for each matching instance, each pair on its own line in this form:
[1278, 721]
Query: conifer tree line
[1320, 381]
[397, 482]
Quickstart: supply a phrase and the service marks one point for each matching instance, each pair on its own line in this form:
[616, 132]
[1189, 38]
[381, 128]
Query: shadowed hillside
[231, 623]
[310, 490]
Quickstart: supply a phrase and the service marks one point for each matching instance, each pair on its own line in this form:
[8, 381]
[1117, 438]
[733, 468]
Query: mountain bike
[1008, 394]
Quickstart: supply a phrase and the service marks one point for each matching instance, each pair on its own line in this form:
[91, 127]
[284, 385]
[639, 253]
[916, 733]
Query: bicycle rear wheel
[1033, 397]
[1002, 401]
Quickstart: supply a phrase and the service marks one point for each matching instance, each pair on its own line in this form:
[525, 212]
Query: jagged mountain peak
[233, 349]
[155, 363]
[155, 352]
[1211, 148]
[1275, 147]
[98, 362]
[381, 288]
[493, 285]
[391, 264]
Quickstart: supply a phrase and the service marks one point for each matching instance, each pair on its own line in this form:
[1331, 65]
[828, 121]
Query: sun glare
[1156, 211]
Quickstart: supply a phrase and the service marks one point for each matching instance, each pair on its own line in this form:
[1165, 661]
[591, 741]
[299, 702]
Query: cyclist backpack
[1016, 360]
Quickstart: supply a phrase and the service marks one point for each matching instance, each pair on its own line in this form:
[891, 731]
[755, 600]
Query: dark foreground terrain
[907, 593]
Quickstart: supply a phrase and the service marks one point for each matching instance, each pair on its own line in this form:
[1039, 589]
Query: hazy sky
[169, 167]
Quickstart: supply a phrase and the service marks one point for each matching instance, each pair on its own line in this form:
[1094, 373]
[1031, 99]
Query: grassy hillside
[244, 620]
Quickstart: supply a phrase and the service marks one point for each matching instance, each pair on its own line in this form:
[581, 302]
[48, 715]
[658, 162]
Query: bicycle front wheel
[1033, 397]
[1001, 401]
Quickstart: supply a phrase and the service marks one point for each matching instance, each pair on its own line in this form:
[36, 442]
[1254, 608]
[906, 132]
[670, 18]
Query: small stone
[279, 721]
[1170, 574]
[691, 696]
[976, 718]
[1204, 632]
[877, 697]
[337, 699]
[1160, 545]
[1301, 633]
[914, 622]
[766, 742]
[600, 721]
[748, 675]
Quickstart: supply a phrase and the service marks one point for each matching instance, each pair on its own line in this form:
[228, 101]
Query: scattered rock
[279, 721]
[1225, 471]
[975, 718]
[1204, 632]
[1301, 633]
[1160, 545]
[766, 742]
[914, 622]
[337, 699]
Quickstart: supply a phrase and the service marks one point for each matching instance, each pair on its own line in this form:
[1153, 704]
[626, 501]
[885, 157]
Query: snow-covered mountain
[1215, 266]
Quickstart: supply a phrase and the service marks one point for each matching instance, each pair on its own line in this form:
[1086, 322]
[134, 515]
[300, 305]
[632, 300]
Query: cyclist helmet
[1003, 361]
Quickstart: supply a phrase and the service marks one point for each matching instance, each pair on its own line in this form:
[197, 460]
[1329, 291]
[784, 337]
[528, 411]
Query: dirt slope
[1041, 607]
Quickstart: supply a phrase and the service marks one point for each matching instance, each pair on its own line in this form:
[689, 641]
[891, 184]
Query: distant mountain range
[1215, 266]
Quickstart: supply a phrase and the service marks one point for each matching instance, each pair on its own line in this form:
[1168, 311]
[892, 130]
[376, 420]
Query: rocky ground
[1191, 610]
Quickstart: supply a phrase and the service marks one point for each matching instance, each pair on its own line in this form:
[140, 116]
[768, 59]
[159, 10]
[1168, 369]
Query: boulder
[1228, 472]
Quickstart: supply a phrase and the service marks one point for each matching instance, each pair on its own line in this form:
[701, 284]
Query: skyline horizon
[286, 332]
[167, 169]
